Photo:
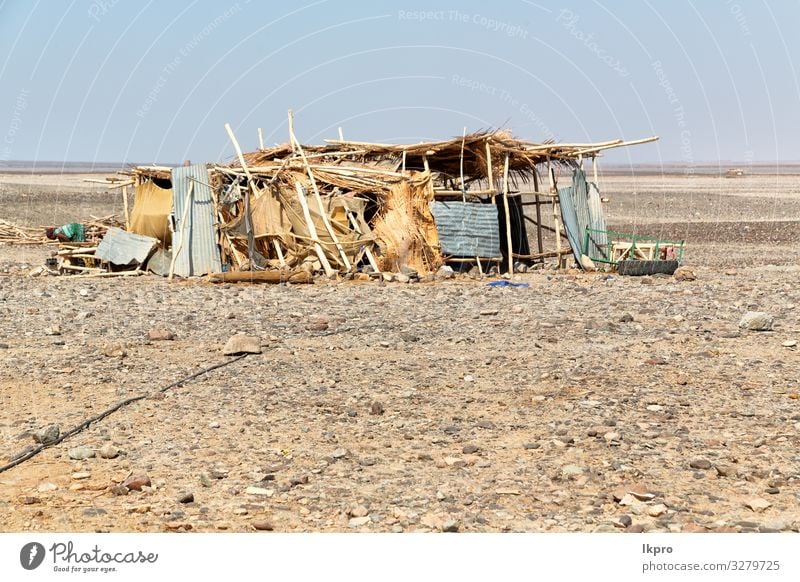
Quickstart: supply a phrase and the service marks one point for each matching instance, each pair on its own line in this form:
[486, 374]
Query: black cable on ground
[98, 417]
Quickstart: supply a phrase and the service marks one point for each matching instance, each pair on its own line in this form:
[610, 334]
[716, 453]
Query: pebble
[470, 449]
[358, 521]
[81, 475]
[253, 490]
[376, 408]
[339, 453]
[262, 525]
[187, 497]
[657, 510]
[450, 526]
[572, 470]
[358, 511]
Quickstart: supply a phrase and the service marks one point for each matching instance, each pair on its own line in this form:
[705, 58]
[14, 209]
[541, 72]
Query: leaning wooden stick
[301, 196]
[322, 211]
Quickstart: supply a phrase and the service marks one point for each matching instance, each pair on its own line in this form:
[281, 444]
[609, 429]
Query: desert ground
[586, 402]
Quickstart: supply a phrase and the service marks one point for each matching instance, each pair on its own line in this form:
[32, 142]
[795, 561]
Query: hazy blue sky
[144, 81]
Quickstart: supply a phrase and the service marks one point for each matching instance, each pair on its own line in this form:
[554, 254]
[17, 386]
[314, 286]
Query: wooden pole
[594, 172]
[323, 212]
[312, 231]
[461, 159]
[175, 252]
[556, 223]
[260, 139]
[490, 169]
[539, 242]
[508, 218]
[125, 206]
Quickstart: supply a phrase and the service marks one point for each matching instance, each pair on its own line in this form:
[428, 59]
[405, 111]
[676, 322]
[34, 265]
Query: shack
[485, 199]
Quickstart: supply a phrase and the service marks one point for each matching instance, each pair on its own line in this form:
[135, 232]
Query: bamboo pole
[508, 218]
[301, 196]
[619, 144]
[175, 252]
[322, 210]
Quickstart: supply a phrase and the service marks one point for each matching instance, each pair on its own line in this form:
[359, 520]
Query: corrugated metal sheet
[569, 217]
[467, 229]
[580, 199]
[199, 253]
[581, 208]
[598, 242]
[125, 248]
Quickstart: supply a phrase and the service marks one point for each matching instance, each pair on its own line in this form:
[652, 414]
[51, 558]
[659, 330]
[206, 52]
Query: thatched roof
[468, 154]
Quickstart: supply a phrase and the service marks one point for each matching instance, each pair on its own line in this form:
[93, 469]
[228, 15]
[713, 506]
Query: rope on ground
[98, 417]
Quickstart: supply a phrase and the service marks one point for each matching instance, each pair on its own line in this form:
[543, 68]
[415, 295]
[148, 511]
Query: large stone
[108, 451]
[160, 335]
[445, 272]
[758, 505]
[136, 482]
[81, 453]
[756, 321]
[242, 344]
[47, 435]
[114, 350]
[684, 274]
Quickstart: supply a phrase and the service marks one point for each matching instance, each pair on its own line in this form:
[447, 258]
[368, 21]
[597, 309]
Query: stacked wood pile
[14, 234]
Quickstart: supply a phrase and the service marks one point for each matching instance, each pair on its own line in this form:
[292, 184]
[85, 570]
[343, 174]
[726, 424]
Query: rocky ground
[583, 402]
